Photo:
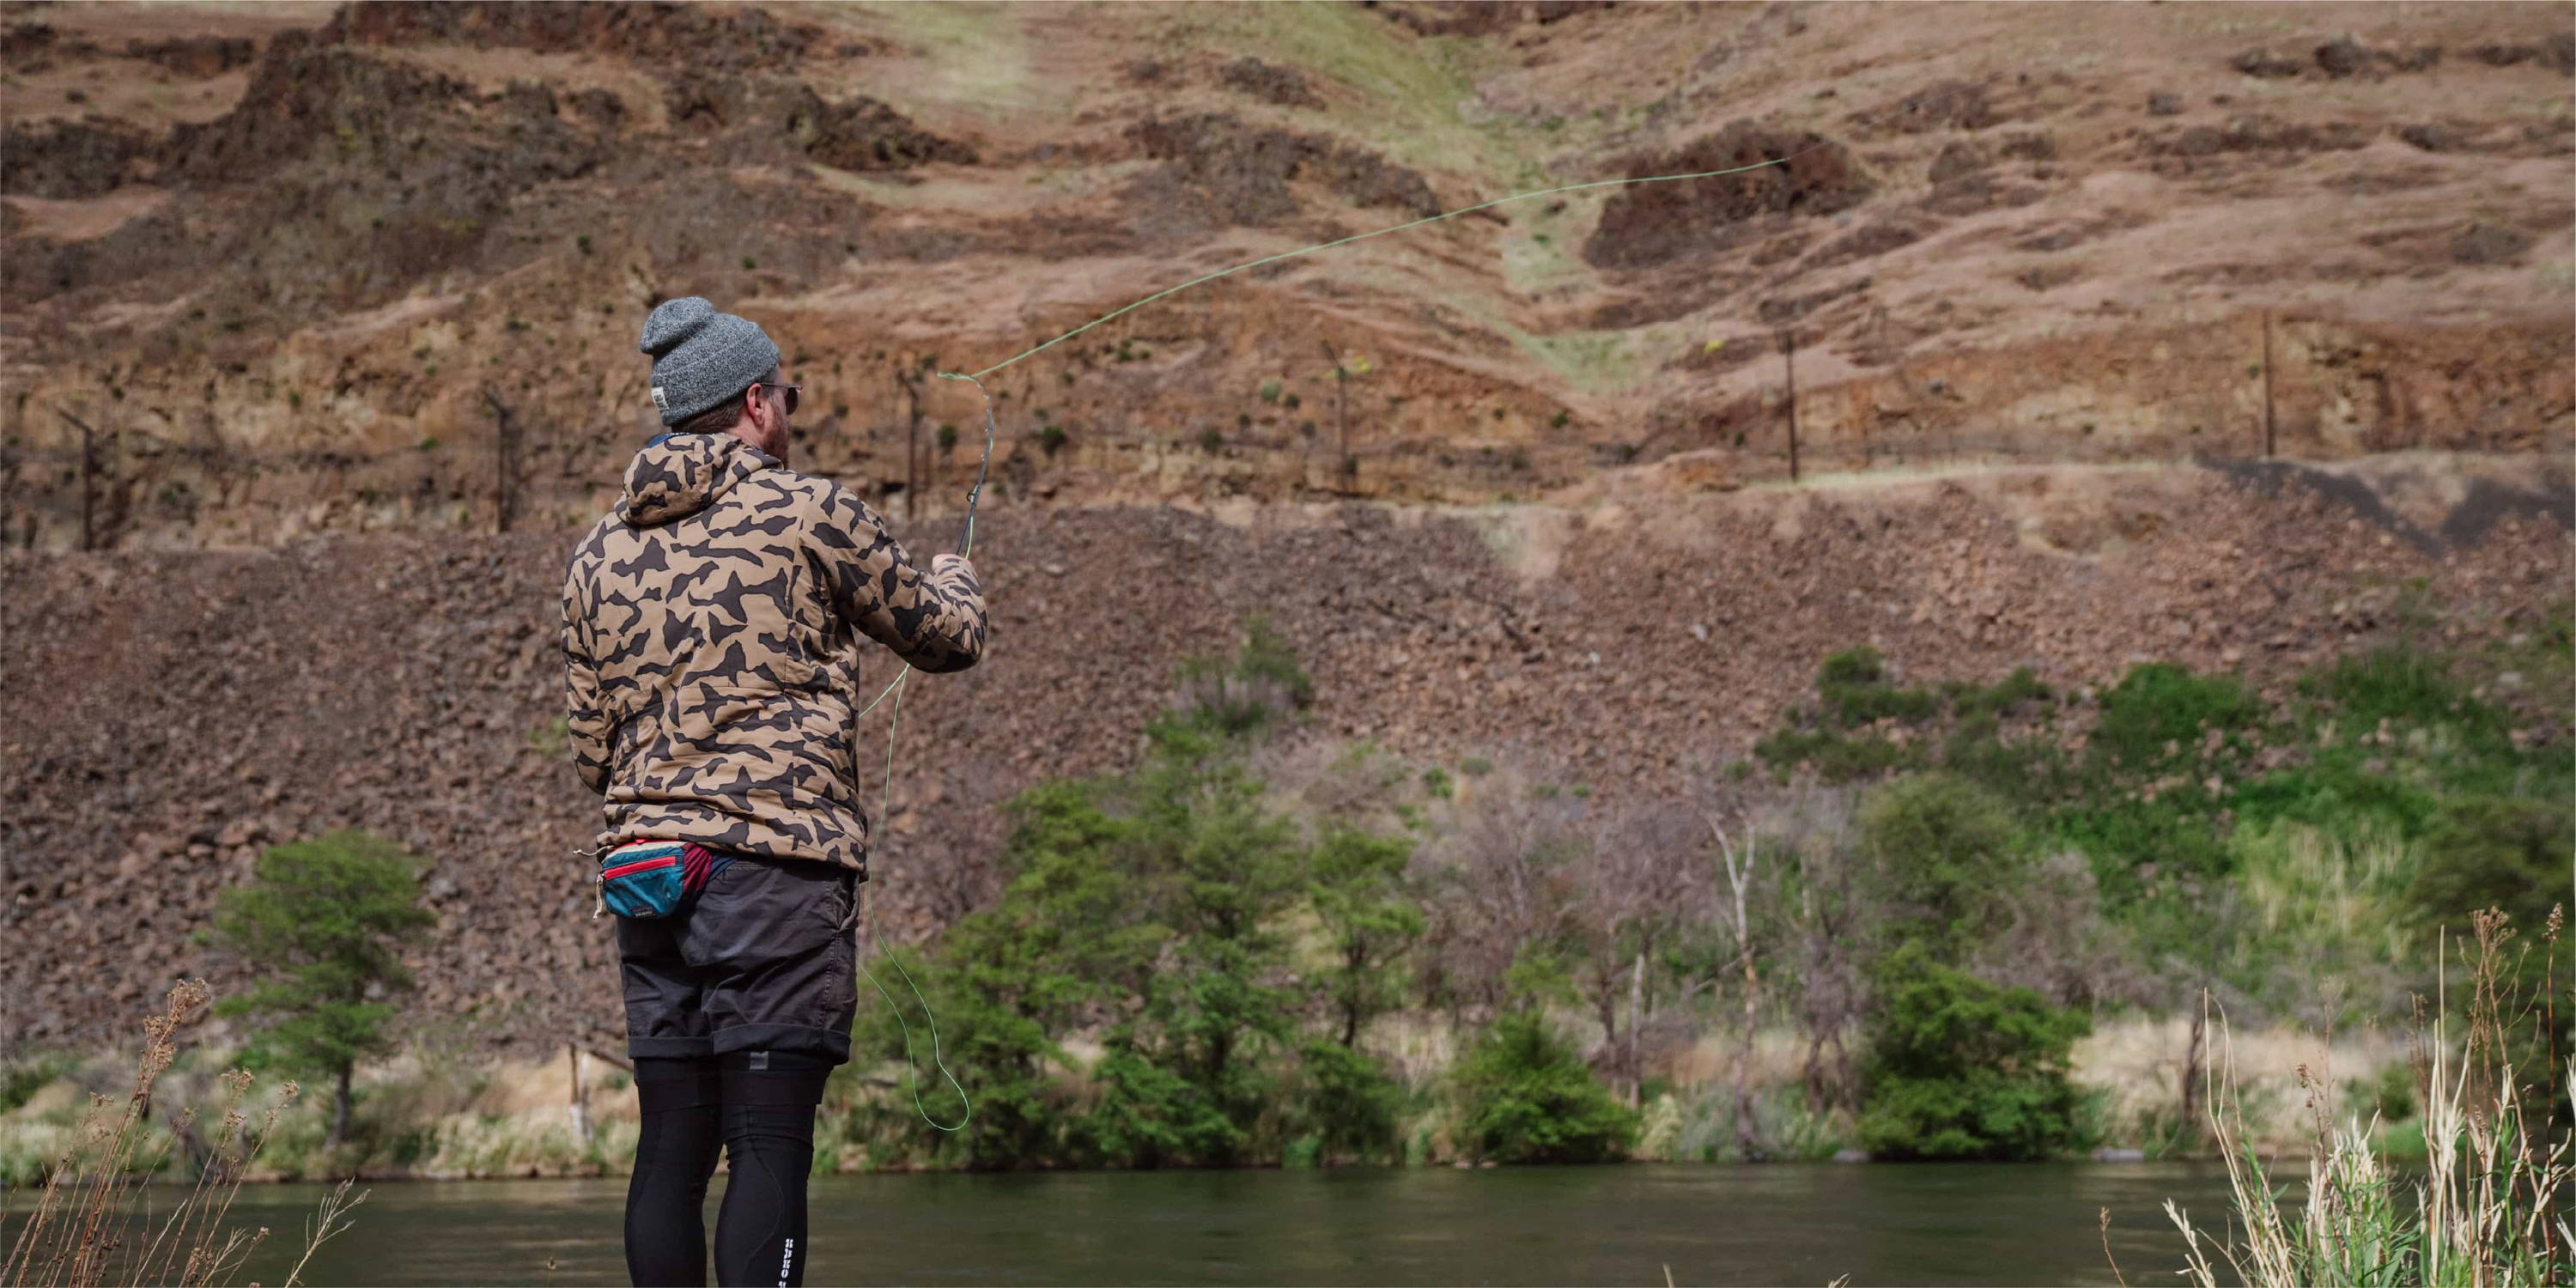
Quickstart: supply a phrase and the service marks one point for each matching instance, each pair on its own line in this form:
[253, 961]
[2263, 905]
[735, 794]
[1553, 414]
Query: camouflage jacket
[710, 640]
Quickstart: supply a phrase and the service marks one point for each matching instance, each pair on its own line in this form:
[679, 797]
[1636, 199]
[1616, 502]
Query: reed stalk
[77, 1234]
[2489, 1211]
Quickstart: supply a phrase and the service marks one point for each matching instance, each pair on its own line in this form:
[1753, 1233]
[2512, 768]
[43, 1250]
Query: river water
[1808, 1224]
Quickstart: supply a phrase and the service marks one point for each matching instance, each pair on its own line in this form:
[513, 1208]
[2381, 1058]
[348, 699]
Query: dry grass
[86, 1228]
[2491, 1207]
[2138, 1065]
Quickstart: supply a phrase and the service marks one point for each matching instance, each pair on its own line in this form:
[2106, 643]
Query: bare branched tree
[1501, 883]
[1643, 882]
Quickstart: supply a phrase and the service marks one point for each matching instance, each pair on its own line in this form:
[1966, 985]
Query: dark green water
[1964, 1224]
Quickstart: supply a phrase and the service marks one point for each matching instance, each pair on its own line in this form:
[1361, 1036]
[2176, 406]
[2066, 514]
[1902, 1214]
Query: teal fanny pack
[644, 880]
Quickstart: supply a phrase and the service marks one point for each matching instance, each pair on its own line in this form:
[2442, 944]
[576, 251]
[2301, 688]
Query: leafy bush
[2158, 713]
[1525, 1096]
[1347, 1103]
[1261, 682]
[1944, 846]
[1960, 1068]
[1853, 685]
[1837, 757]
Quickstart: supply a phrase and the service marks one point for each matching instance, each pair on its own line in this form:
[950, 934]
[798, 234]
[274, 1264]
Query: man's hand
[941, 563]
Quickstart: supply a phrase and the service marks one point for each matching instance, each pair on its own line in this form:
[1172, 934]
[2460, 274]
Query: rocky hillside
[278, 269]
[172, 713]
[317, 337]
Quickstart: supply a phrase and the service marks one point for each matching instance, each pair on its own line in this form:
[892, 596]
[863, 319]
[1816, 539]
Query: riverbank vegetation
[2491, 1202]
[1972, 919]
[88, 1221]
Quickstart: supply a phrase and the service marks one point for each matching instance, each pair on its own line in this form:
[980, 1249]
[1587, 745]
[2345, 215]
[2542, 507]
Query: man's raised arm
[934, 621]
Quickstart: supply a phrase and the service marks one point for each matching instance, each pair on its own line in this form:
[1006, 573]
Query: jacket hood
[678, 475]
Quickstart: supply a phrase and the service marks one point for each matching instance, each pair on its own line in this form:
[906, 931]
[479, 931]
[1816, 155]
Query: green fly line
[966, 546]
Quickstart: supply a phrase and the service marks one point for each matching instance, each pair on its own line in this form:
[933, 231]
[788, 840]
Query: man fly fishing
[711, 637]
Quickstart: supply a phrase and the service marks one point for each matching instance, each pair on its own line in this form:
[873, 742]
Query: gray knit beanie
[702, 357]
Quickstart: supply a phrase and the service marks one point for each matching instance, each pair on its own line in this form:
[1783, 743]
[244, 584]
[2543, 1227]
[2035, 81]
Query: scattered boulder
[1284, 86]
[1476, 17]
[1949, 105]
[197, 57]
[1958, 160]
[2431, 136]
[2257, 133]
[1649, 224]
[69, 160]
[2342, 56]
[2484, 243]
[1868, 242]
[703, 38]
[2263, 64]
[2031, 145]
[866, 135]
[1238, 174]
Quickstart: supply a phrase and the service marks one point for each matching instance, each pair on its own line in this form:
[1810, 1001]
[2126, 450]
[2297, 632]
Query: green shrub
[1260, 683]
[1347, 1104]
[1961, 1068]
[1944, 846]
[2158, 713]
[1837, 757]
[947, 435]
[1525, 1096]
[1270, 391]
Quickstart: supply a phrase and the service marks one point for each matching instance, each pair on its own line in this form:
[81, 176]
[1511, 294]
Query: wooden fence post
[88, 479]
[2269, 446]
[505, 461]
[1789, 354]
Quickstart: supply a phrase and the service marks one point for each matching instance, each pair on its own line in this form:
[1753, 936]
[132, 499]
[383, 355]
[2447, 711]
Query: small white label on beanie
[660, 402]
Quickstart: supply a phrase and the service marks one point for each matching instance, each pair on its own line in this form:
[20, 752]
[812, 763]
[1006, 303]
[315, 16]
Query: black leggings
[760, 1106]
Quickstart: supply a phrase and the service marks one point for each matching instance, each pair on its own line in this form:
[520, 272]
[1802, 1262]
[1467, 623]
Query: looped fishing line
[966, 545]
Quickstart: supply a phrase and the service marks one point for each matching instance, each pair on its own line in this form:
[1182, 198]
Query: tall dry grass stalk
[81, 1231]
[2490, 1208]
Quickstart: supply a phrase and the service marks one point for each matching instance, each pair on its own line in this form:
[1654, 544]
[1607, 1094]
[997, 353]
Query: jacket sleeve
[933, 620]
[585, 723]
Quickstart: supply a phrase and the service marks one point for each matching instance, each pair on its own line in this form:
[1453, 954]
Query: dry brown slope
[2022, 232]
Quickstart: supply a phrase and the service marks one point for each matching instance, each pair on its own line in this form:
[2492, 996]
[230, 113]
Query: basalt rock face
[175, 713]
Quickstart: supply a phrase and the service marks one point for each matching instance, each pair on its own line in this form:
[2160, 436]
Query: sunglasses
[791, 392]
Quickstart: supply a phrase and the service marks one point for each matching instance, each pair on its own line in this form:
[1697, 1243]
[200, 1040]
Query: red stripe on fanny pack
[664, 862]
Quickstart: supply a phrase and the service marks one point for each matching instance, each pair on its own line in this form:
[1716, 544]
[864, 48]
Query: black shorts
[764, 959]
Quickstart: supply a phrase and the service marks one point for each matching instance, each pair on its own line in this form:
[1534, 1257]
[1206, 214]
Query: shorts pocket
[838, 902]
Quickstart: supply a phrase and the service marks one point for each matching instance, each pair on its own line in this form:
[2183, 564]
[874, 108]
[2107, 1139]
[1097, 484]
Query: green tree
[1370, 920]
[1210, 866]
[1525, 1096]
[1961, 1068]
[1945, 847]
[326, 919]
